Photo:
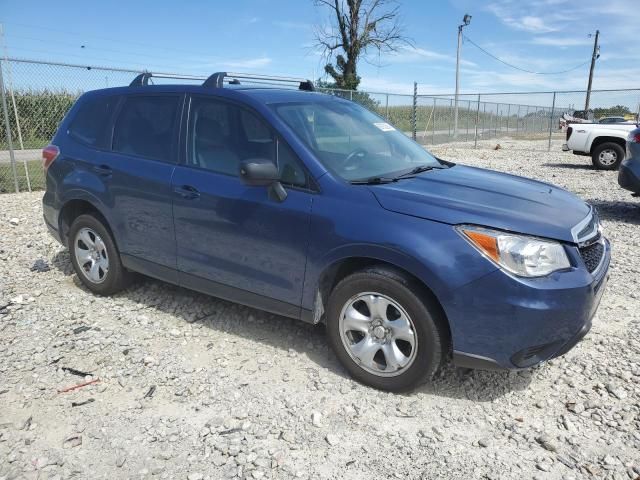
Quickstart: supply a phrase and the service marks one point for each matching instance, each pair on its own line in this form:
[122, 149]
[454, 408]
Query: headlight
[519, 254]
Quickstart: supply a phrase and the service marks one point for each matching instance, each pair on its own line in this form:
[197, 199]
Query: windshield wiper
[374, 181]
[409, 174]
[417, 170]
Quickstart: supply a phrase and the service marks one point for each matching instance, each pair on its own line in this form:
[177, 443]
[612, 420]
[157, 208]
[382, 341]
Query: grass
[28, 142]
[36, 176]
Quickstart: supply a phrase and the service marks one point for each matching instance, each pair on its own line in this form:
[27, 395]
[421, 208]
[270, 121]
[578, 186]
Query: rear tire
[607, 156]
[385, 331]
[95, 257]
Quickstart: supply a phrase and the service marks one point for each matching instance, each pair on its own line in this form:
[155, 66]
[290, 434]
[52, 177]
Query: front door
[233, 236]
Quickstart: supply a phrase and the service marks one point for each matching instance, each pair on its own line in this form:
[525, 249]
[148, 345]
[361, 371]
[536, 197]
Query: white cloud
[533, 24]
[410, 54]
[536, 16]
[287, 24]
[510, 14]
[259, 62]
[384, 85]
[562, 42]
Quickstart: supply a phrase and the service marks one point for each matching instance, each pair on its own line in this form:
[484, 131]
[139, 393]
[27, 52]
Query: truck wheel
[607, 156]
[384, 331]
[95, 258]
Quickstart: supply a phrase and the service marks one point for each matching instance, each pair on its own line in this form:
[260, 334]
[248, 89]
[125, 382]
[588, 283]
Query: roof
[259, 94]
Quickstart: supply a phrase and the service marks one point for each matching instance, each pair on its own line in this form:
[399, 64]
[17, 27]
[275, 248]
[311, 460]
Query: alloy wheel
[378, 334]
[91, 255]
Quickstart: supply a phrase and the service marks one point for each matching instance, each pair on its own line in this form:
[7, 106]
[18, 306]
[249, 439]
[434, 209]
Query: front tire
[95, 257]
[385, 331]
[607, 156]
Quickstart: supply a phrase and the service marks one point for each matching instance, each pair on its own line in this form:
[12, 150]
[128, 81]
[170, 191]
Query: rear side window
[91, 120]
[145, 126]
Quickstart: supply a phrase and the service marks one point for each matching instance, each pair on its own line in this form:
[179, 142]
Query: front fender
[431, 251]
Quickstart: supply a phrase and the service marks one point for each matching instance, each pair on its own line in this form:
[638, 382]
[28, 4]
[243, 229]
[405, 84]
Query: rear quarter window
[90, 122]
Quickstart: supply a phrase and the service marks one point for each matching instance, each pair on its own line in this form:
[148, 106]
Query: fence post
[553, 107]
[433, 124]
[386, 108]
[351, 95]
[450, 108]
[414, 113]
[7, 126]
[518, 120]
[17, 119]
[484, 116]
[508, 115]
[15, 108]
[466, 138]
[475, 135]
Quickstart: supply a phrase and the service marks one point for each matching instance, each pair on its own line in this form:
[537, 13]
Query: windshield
[353, 142]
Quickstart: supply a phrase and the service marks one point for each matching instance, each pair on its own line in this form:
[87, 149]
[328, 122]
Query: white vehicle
[604, 143]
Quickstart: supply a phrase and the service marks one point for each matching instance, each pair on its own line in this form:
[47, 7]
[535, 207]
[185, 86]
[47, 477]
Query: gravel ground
[188, 386]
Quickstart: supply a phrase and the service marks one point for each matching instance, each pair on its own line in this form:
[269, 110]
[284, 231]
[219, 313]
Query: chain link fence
[36, 95]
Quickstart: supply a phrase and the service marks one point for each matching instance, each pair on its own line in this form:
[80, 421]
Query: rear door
[234, 238]
[139, 169]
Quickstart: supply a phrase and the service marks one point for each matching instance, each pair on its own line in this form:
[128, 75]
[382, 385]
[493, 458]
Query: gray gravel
[192, 387]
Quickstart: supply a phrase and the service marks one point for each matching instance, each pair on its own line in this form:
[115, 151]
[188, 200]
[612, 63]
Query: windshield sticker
[385, 127]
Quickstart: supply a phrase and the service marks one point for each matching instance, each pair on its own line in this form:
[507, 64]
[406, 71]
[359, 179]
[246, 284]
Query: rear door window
[89, 126]
[145, 126]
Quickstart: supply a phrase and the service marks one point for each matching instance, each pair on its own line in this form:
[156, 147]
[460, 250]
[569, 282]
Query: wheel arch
[339, 269]
[72, 209]
[607, 139]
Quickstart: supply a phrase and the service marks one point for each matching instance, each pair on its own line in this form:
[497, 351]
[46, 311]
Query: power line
[137, 65]
[109, 39]
[519, 68]
[86, 48]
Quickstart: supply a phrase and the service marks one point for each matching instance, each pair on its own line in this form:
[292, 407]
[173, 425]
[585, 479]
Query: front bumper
[629, 175]
[502, 322]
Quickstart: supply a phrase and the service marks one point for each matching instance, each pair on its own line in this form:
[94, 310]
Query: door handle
[103, 170]
[187, 192]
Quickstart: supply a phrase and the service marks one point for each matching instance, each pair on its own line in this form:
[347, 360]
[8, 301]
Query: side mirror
[263, 172]
[259, 172]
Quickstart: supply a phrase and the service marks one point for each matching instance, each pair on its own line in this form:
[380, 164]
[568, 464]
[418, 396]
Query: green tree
[618, 110]
[357, 28]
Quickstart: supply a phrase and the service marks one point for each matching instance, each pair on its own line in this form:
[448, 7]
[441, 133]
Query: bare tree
[358, 28]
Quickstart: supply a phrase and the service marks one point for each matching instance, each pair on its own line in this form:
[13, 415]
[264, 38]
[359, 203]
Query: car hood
[460, 194]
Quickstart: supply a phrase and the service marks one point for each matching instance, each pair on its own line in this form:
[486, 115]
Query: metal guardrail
[37, 94]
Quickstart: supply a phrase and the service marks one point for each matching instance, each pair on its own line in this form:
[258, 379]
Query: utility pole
[594, 57]
[465, 21]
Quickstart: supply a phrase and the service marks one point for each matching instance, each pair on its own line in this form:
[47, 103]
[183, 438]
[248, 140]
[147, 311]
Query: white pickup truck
[604, 143]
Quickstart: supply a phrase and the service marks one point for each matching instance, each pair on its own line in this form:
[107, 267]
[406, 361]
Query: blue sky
[276, 37]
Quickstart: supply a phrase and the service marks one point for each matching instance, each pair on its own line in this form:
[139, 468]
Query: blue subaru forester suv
[312, 207]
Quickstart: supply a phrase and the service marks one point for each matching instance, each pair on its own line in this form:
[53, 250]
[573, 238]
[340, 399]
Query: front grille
[592, 255]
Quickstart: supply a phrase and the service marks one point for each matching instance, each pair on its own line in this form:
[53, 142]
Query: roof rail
[143, 78]
[217, 80]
